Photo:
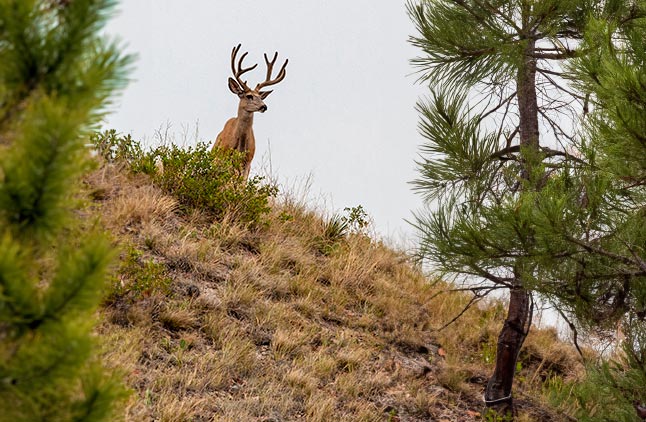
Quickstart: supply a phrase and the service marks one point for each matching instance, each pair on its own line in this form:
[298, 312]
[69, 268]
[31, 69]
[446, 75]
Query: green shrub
[357, 219]
[198, 177]
[212, 181]
[122, 148]
[138, 278]
[339, 227]
[335, 231]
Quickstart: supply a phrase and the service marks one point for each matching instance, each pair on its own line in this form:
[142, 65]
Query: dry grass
[262, 326]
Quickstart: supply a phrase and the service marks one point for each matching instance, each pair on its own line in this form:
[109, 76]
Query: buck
[238, 131]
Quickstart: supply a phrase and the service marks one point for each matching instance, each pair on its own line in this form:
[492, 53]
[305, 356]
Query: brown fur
[238, 134]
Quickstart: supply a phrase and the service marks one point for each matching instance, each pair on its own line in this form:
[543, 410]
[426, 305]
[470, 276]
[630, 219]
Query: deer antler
[240, 70]
[270, 67]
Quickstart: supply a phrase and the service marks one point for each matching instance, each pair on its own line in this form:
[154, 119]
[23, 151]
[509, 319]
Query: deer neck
[244, 130]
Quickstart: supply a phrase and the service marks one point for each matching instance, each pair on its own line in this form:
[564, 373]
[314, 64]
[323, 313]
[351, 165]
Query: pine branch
[505, 102]
[575, 332]
[600, 251]
[567, 54]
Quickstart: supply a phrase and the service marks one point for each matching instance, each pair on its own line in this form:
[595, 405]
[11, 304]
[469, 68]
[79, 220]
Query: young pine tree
[499, 124]
[56, 76]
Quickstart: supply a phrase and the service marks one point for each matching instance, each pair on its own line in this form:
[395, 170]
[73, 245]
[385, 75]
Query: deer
[237, 133]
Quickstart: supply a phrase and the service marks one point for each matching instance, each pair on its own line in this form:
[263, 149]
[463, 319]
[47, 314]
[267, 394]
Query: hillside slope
[210, 320]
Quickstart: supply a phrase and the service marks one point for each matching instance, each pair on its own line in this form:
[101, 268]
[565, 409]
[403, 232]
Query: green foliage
[115, 148]
[357, 219]
[513, 193]
[285, 216]
[460, 149]
[491, 415]
[493, 193]
[56, 76]
[200, 178]
[604, 253]
[138, 278]
[488, 352]
[55, 50]
[211, 181]
[592, 215]
[611, 387]
[504, 203]
[338, 227]
[335, 229]
[33, 205]
[451, 50]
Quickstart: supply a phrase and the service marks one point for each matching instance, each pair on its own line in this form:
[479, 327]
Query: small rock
[192, 291]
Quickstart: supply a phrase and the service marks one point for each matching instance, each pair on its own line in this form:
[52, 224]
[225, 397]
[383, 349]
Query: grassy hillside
[292, 317]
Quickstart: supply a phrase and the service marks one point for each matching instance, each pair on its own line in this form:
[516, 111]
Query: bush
[335, 231]
[338, 228]
[138, 278]
[198, 177]
[357, 219]
[212, 181]
[115, 148]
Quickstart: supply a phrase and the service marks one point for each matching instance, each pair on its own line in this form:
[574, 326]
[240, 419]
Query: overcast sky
[344, 114]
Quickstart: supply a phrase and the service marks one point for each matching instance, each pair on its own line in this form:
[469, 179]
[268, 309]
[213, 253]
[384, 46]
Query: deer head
[251, 100]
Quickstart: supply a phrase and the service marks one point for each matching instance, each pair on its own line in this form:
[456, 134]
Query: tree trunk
[498, 395]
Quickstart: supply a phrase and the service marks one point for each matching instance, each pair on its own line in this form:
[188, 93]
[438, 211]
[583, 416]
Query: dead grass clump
[290, 343]
[105, 182]
[302, 382]
[284, 255]
[231, 235]
[236, 358]
[352, 357]
[180, 409]
[238, 299]
[321, 364]
[292, 219]
[320, 407]
[128, 201]
[353, 270]
[453, 378]
[218, 326]
[178, 319]
[544, 356]
[143, 204]
[375, 383]
[156, 237]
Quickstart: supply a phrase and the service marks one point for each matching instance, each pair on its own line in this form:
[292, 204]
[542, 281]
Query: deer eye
[250, 97]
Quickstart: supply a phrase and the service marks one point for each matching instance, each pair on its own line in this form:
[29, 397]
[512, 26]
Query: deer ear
[235, 87]
[265, 94]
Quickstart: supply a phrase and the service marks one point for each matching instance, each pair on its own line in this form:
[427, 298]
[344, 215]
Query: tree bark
[498, 394]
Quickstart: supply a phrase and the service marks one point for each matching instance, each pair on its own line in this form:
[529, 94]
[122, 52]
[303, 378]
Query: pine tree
[57, 74]
[499, 125]
[599, 237]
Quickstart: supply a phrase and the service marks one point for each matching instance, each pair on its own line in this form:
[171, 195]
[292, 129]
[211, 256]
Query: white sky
[344, 113]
